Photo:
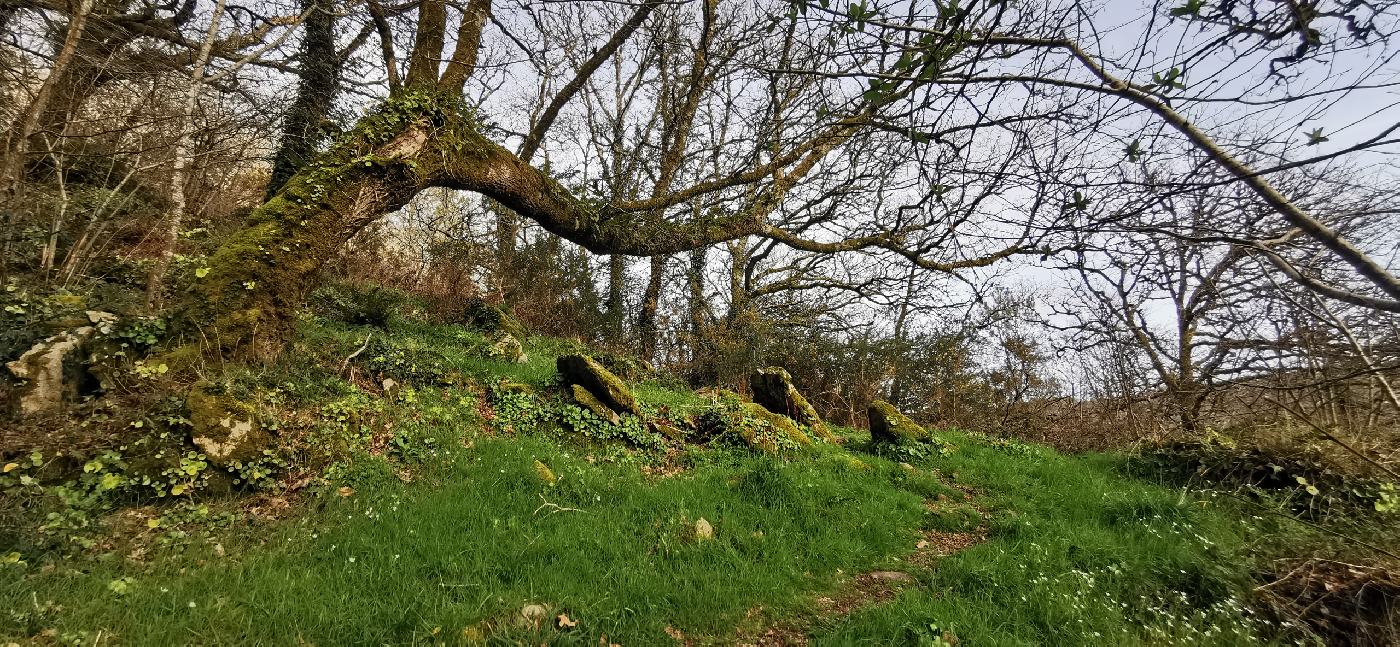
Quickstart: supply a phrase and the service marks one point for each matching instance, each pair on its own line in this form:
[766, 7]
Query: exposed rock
[509, 386]
[105, 321]
[888, 425]
[608, 388]
[51, 375]
[545, 474]
[590, 402]
[670, 431]
[225, 428]
[703, 530]
[756, 426]
[776, 424]
[534, 614]
[488, 318]
[505, 347]
[773, 388]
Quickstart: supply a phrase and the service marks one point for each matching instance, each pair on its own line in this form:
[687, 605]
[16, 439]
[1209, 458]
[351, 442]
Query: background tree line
[995, 215]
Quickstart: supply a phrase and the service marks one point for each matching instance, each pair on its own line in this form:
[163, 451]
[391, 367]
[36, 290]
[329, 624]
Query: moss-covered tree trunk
[244, 304]
[245, 301]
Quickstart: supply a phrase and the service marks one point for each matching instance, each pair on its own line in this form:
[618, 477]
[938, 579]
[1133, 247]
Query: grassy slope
[1076, 553]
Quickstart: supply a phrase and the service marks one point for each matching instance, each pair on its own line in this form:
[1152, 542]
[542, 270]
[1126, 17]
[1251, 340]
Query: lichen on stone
[505, 347]
[606, 387]
[587, 400]
[47, 371]
[773, 389]
[774, 423]
[888, 425]
[225, 428]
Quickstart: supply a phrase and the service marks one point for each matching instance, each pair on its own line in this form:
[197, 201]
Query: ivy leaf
[201, 272]
[1080, 203]
[906, 61]
[109, 481]
[1316, 137]
[1192, 9]
[1134, 150]
[1171, 79]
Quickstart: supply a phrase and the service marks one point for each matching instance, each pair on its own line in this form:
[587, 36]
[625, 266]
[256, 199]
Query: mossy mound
[888, 425]
[505, 347]
[752, 425]
[225, 428]
[775, 427]
[773, 389]
[490, 319]
[609, 389]
[512, 387]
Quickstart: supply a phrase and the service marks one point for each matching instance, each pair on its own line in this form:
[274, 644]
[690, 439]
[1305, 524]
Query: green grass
[1076, 553]
[470, 542]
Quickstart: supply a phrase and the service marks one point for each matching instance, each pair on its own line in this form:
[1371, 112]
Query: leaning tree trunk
[245, 302]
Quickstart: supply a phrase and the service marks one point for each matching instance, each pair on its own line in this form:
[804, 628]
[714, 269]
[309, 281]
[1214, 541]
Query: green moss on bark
[244, 303]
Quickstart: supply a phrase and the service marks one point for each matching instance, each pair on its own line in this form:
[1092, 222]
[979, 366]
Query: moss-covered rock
[51, 372]
[668, 430]
[606, 387]
[226, 429]
[773, 428]
[773, 389]
[504, 347]
[888, 425]
[490, 318]
[752, 425]
[510, 386]
[587, 400]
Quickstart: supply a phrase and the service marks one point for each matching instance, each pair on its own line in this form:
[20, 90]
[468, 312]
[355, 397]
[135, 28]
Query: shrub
[1309, 486]
[358, 305]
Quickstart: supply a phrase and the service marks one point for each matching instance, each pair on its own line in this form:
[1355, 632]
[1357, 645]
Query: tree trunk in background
[738, 292]
[16, 153]
[617, 280]
[695, 280]
[651, 303]
[179, 175]
[702, 369]
[901, 335]
[507, 230]
[303, 127]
